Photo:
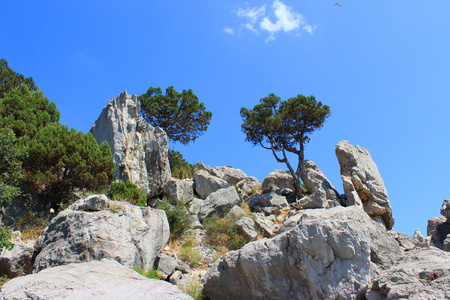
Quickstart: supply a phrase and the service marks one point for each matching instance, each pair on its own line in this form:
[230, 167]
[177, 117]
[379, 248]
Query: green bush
[129, 192]
[179, 167]
[192, 287]
[5, 235]
[177, 216]
[149, 274]
[223, 232]
[191, 256]
[10, 166]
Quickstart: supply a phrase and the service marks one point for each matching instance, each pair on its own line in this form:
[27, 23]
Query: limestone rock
[273, 199]
[265, 225]
[330, 254]
[249, 184]
[216, 202]
[167, 265]
[196, 206]
[321, 189]
[423, 273]
[363, 184]
[445, 210]
[229, 174]
[179, 190]
[276, 180]
[246, 226]
[236, 211]
[17, 261]
[419, 239]
[140, 151]
[132, 235]
[446, 244]
[404, 240]
[105, 279]
[205, 183]
[438, 228]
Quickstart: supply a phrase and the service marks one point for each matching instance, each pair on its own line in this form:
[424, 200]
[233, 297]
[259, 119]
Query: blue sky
[382, 66]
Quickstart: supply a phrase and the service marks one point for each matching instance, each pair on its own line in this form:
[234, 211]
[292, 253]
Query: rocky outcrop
[325, 254]
[229, 174]
[422, 274]
[249, 184]
[140, 151]
[363, 185]
[218, 201]
[445, 210]
[322, 194]
[179, 190]
[277, 180]
[438, 228]
[17, 261]
[96, 228]
[205, 183]
[105, 279]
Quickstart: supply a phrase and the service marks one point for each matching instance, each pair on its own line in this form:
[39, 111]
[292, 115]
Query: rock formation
[277, 180]
[96, 228]
[105, 279]
[438, 229]
[140, 151]
[363, 185]
[205, 183]
[17, 261]
[328, 254]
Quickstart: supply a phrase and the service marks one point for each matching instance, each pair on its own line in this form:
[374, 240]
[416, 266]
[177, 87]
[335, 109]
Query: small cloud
[251, 27]
[309, 29]
[251, 14]
[270, 38]
[286, 19]
[228, 30]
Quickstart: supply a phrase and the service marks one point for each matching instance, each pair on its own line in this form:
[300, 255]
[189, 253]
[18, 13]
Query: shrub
[5, 235]
[179, 167]
[191, 256]
[177, 216]
[149, 274]
[193, 287]
[10, 166]
[223, 232]
[129, 192]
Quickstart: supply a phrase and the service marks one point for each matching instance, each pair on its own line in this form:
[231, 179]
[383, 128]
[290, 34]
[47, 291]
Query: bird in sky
[338, 4]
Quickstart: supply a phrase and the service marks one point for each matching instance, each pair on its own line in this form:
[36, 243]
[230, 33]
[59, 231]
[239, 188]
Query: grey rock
[196, 224]
[205, 183]
[237, 212]
[330, 254]
[438, 228]
[249, 184]
[321, 189]
[140, 151]
[419, 239]
[445, 210]
[17, 261]
[179, 190]
[363, 184]
[195, 206]
[167, 265]
[315, 200]
[276, 180]
[246, 226]
[273, 199]
[423, 273]
[176, 277]
[253, 200]
[132, 235]
[404, 240]
[216, 202]
[229, 174]
[201, 166]
[265, 225]
[105, 279]
[446, 244]
[269, 210]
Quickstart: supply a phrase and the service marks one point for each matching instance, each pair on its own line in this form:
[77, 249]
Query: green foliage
[192, 287]
[59, 160]
[282, 126]
[129, 192]
[177, 216]
[30, 226]
[24, 111]
[10, 80]
[179, 167]
[10, 166]
[5, 235]
[223, 232]
[191, 256]
[181, 115]
[149, 274]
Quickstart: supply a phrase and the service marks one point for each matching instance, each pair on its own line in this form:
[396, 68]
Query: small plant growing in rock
[129, 192]
[177, 216]
[223, 232]
[149, 274]
[5, 235]
[193, 287]
[191, 256]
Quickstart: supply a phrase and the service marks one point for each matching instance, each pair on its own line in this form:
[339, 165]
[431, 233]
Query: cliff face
[140, 151]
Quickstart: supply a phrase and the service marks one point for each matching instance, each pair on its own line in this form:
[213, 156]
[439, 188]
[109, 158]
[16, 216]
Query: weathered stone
[140, 151]
[273, 199]
[446, 244]
[230, 175]
[438, 228]
[105, 279]
[276, 180]
[422, 274]
[315, 200]
[236, 211]
[249, 184]
[253, 200]
[17, 261]
[195, 206]
[330, 254]
[265, 225]
[216, 202]
[363, 184]
[404, 240]
[132, 235]
[205, 184]
[320, 188]
[179, 190]
[246, 226]
[167, 265]
[201, 166]
[445, 210]
[418, 238]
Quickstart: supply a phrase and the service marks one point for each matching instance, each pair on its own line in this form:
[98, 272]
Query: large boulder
[323, 194]
[277, 180]
[438, 229]
[179, 190]
[249, 184]
[445, 210]
[422, 274]
[229, 174]
[17, 261]
[105, 279]
[218, 201]
[206, 183]
[329, 254]
[363, 185]
[140, 151]
[96, 228]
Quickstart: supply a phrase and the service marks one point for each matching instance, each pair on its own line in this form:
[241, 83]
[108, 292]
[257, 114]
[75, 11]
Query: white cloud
[228, 30]
[286, 19]
[309, 29]
[251, 14]
[270, 38]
